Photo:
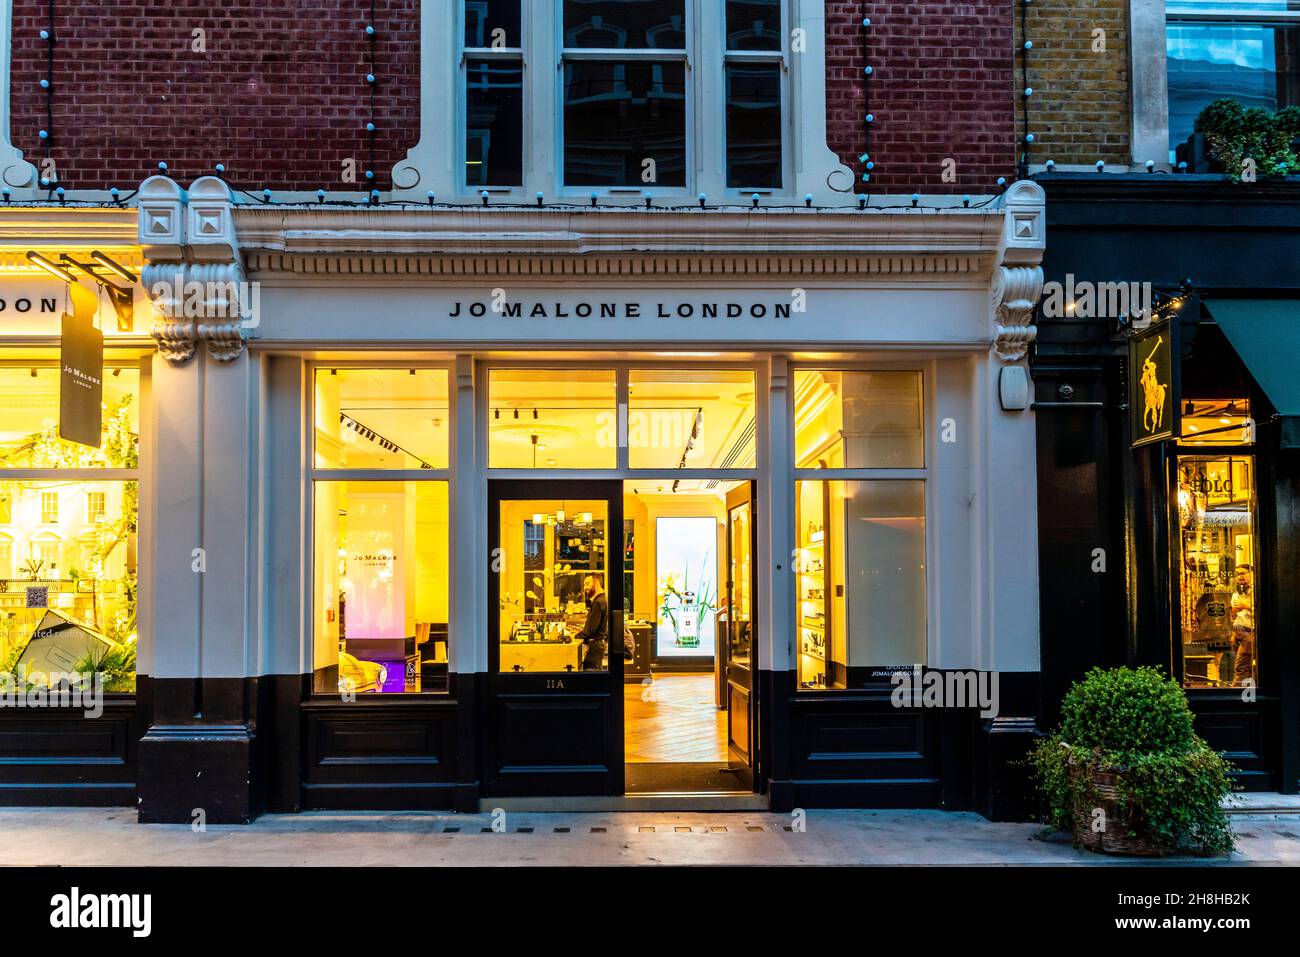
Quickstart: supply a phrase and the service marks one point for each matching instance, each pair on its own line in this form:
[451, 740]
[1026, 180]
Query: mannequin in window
[1243, 627]
[595, 633]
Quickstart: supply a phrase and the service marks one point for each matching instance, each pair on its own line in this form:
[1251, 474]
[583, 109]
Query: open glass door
[738, 666]
[555, 620]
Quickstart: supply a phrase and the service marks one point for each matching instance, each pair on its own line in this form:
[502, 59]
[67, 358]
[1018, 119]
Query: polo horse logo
[1153, 392]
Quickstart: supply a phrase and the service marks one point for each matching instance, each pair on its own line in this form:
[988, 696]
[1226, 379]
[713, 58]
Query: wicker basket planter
[1123, 833]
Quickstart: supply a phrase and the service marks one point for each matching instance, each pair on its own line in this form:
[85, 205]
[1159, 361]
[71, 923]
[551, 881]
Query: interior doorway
[687, 592]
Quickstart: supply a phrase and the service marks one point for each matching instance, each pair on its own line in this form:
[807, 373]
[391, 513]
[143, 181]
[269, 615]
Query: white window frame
[317, 474]
[689, 58]
[506, 54]
[47, 511]
[436, 164]
[923, 475]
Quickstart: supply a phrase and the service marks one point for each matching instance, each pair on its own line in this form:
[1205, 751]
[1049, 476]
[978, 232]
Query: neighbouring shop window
[380, 586]
[1216, 422]
[1248, 50]
[855, 419]
[68, 548]
[552, 419]
[494, 93]
[624, 116]
[690, 419]
[554, 613]
[861, 578]
[1217, 570]
[381, 418]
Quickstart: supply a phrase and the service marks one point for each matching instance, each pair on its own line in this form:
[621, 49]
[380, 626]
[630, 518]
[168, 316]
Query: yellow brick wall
[1079, 111]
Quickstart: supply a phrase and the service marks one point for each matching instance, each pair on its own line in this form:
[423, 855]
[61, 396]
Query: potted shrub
[1126, 773]
[1233, 133]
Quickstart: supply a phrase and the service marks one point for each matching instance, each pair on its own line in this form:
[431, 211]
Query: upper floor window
[625, 98]
[494, 93]
[648, 95]
[1248, 50]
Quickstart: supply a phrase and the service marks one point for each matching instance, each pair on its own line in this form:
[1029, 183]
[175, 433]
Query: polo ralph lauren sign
[81, 381]
[1153, 384]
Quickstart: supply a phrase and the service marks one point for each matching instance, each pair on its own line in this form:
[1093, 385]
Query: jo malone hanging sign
[81, 381]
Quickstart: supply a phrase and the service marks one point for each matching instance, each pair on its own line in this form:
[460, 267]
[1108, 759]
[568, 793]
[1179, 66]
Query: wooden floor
[679, 722]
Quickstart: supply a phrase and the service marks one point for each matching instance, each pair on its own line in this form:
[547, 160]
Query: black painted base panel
[67, 795]
[891, 795]
[387, 797]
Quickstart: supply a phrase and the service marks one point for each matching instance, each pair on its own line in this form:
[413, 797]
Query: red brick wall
[280, 97]
[943, 88]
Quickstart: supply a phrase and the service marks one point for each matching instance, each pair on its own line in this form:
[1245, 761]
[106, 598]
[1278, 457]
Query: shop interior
[68, 548]
[1216, 536]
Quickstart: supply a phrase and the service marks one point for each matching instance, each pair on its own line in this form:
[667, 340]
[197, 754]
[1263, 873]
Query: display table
[540, 656]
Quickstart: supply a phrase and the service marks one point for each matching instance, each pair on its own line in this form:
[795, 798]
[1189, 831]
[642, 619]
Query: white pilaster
[468, 623]
[776, 525]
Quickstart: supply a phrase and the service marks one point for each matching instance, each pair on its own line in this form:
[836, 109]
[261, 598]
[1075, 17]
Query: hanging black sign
[81, 381]
[1153, 384]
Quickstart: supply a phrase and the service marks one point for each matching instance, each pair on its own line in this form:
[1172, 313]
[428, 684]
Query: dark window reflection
[494, 123]
[618, 115]
[753, 24]
[625, 24]
[484, 17]
[1255, 64]
[753, 125]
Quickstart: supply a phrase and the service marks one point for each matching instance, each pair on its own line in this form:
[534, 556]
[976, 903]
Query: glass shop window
[29, 421]
[1244, 49]
[81, 569]
[624, 68]
[554, 611]
[380, 586]
[853, 420]
[552, 419]
[494, 93]
[753, 67]
[861, 578]
[690, 419]
[68, 551]
[382, 419]
[1217, 570]
[1217, 422]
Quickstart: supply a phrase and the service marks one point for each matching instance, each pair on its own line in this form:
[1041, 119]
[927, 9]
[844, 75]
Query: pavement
[1266, 835]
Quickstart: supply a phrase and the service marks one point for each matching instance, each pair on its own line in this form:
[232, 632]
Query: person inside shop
[595, 633]
[1243, 627]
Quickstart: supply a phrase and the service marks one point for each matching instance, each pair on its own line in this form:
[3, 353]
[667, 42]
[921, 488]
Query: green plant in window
[116, 664]
[1126, 743]
[1235, 133]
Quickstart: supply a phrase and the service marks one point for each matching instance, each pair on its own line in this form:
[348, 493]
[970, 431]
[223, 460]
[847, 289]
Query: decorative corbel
[193, 274]
[161, 232]
[1018, 279]
[1015, 294]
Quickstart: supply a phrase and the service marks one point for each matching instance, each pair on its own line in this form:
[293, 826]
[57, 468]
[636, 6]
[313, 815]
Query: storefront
[388, 471]
[75, 368]
[1181, 435]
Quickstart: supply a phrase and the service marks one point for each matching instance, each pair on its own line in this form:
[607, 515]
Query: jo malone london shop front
[481, 505]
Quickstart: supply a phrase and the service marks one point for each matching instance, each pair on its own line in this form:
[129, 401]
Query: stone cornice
[67, 228]
[464, 268]
[517, 232]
